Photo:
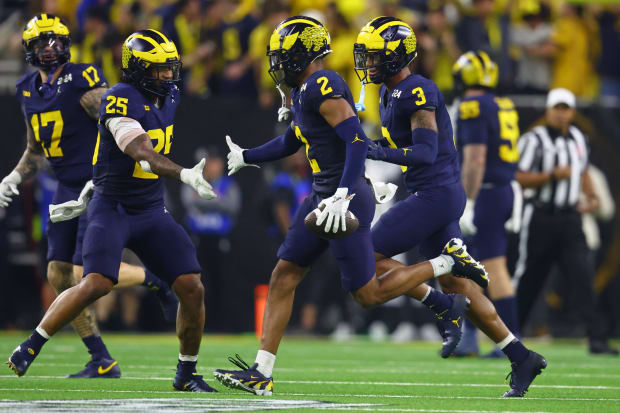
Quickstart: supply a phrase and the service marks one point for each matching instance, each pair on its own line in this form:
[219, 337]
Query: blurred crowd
[539, 44]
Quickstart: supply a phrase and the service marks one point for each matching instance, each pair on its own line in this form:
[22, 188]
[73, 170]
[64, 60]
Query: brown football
[319, 231]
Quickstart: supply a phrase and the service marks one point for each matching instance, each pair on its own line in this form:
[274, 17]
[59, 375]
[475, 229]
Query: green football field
[310, 374]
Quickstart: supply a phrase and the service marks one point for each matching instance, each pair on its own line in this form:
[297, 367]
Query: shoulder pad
[87, 76]
[469, 109]
[123, 99]
[322, 85]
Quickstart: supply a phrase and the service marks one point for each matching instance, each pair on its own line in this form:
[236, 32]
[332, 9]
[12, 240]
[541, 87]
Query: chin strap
[284, 113]
[359, 106]
[46, 90]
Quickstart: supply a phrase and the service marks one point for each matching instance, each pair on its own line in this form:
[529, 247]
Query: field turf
[310, 374]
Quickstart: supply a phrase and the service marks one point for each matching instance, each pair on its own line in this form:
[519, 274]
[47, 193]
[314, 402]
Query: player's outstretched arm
[91, 101]
[30, 163]
[424, 149]
[135, 142]
[277, 148]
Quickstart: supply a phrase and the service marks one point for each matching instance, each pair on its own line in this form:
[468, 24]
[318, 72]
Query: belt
[551, 208]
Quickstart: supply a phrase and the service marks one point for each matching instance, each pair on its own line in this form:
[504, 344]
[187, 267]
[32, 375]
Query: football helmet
[145, 54]
[46, 30]
[294, 44]
[474, 69]
[384, 47]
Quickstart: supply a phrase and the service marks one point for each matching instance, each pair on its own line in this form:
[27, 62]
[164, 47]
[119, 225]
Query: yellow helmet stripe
[477, 63]
[486, 60]
[310, 22]
[393, 23]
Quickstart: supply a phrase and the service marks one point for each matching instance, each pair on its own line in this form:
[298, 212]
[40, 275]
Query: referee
[552, 171]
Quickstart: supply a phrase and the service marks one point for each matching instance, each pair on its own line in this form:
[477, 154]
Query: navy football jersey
[117, 175]
[60, 124]
[396, 107]
[493, 121]
[325, 150]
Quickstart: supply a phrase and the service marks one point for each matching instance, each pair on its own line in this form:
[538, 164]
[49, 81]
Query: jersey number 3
[54, 117]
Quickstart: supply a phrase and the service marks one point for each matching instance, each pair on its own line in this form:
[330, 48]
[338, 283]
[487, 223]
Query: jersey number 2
[164, 141]
[323, 82]
[313, 163]
[54, 149]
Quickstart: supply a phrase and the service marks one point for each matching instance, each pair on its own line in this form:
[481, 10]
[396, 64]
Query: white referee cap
[561, 95]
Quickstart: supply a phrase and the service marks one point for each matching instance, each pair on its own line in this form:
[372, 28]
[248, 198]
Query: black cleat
[464, 265]
[169, 303]
[602, 347]
[101, 368]
[248, 378]
[193, 383]
[20, 359]
[524, 373]
[450, 324]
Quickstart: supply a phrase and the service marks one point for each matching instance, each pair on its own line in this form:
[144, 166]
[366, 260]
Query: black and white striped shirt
[542, 149]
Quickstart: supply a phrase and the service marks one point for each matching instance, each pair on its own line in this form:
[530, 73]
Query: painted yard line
[392, 409]
[327, 395]
[411, 396]
[374, 383]
[355, 370]
[414, 363]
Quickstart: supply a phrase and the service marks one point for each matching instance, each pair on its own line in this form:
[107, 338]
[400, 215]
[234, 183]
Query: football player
[127, 209]
[60, 102]
[326, 124]
[487, 131]
[417, 134]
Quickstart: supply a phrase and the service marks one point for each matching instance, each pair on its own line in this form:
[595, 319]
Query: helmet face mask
[373, 66]
[384, 47]
[46, 42]
[294, 45]
[151, 63]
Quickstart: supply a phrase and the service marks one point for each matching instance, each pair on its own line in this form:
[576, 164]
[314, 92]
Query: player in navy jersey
[127, 209]
[418, 136]
[60, 102]
[325, 123]
[487, 130]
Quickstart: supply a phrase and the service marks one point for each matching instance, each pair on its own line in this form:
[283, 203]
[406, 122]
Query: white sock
[265, 361]
[183, 357]
[509, 338]
[442, 265]
[428, 292]
[42, 332]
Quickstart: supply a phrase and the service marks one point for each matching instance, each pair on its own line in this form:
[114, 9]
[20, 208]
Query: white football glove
[74, 208]
[193, 177]
[235, 157]
[336, 207]
[284, 114]
[383, 192]
[467, 219]
[8, 188]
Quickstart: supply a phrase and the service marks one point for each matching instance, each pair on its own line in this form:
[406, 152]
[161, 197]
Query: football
[319, 231]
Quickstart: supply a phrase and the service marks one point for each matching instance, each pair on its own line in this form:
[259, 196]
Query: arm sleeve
[351, 132]
[422, 152]
[124, 130]
[277, 148]
[471, 127]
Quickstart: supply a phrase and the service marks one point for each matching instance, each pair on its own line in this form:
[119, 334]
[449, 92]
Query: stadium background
[227, 91]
